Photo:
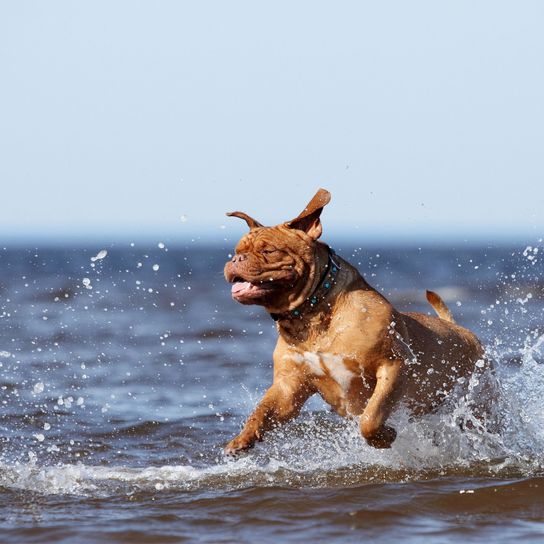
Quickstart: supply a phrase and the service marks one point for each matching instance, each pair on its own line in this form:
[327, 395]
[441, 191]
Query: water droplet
[38, 388]
[99, 256]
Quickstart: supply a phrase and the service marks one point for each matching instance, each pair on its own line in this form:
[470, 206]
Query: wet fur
[355, 349]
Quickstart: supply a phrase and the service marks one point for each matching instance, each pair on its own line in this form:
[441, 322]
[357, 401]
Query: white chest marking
[338, 370]
[321, 364]
[310, 360]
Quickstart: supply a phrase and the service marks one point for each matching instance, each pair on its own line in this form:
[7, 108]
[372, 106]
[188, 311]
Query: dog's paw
[238, 445]
[382, 438]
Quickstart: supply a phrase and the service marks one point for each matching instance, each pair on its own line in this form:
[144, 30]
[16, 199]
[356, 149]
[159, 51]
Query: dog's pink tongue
[240, 287]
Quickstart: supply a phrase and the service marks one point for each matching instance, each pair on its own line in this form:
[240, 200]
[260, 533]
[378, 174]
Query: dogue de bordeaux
[338, 336]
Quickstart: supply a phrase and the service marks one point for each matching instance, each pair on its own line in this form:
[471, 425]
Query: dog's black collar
[328, 279]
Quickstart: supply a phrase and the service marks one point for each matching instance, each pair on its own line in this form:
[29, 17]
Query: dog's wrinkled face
[275, 266]
[271, 265]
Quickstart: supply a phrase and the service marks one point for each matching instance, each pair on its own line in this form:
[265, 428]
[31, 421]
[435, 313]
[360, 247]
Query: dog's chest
[331, 375]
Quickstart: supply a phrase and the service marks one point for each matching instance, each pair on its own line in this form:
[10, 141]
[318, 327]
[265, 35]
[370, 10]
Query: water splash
[321, 450]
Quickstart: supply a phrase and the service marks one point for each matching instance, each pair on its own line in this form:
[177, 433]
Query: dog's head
[275, 267]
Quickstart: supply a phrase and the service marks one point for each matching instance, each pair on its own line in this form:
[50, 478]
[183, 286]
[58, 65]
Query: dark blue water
[122, 377]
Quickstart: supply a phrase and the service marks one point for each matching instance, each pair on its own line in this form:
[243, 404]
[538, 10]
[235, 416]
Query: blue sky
[122, 118]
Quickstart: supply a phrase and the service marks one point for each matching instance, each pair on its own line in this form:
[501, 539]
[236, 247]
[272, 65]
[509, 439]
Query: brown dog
[338, 336]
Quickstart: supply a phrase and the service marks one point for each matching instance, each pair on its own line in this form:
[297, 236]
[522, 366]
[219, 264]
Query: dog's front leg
[389, 386]
[280, 403]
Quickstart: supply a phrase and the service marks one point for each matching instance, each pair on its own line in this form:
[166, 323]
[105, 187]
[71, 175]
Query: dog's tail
[439, 306]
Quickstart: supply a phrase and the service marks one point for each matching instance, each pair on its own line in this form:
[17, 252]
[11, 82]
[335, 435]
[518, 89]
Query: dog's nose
[239, 257]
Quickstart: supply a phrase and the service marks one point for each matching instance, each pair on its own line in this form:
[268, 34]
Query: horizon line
[214, 237]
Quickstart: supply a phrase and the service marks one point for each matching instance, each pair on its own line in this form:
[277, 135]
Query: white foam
[317, 450]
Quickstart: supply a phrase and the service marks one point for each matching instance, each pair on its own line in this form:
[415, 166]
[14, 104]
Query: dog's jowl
[338, 336]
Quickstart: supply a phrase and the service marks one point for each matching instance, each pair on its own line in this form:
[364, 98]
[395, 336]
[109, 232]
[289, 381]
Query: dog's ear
[308, 220]
[251, 223]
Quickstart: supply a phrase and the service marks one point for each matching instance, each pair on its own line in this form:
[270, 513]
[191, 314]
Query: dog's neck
[328, 269]
[316, 320]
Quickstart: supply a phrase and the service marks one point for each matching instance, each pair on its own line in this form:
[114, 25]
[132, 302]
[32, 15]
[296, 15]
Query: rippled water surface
[123, 372]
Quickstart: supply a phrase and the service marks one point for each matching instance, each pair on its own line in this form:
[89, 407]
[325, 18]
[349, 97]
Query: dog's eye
[270, 250]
